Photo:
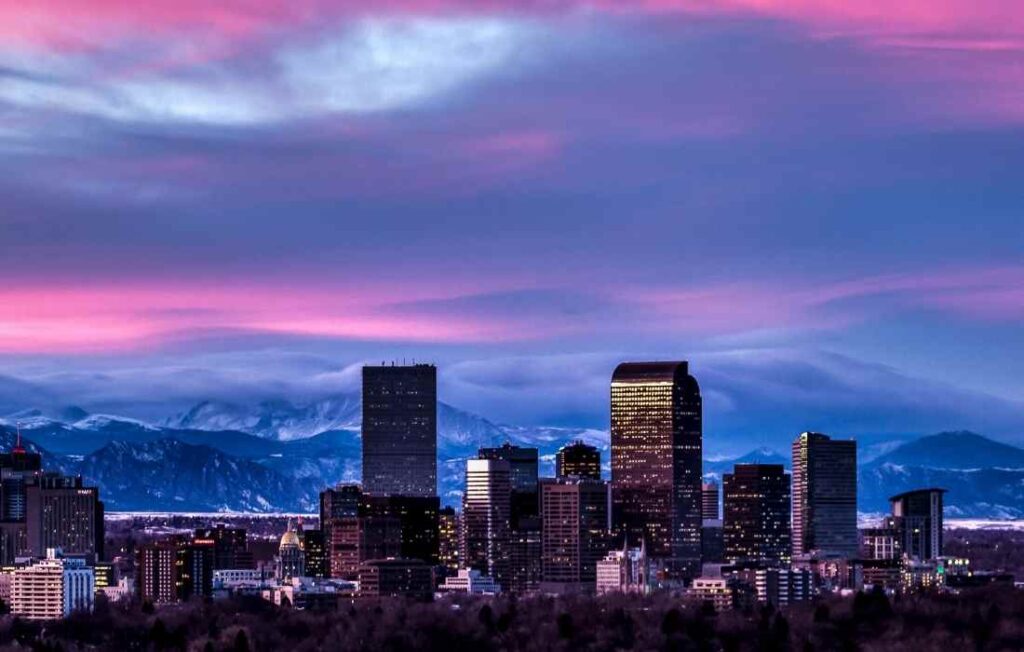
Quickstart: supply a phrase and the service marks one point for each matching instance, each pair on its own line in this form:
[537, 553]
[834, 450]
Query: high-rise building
[339, 520]
[52, 588]
[400, 430]
[656, 441]
[578, 460]
[575, 533]
[230, 546]
[917, 518]
[448, 539]
[174, 569]
[417, 518]
[709, 501]
[523, 475]
[525, 556]
[757, 507]
[486, 518]
[824, 495]
[15, 468]
[314, 549]
[63, 514]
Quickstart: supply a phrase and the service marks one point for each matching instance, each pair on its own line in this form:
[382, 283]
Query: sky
[816, 203]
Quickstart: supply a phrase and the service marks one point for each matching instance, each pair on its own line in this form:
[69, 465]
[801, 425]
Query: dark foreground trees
[991, 619]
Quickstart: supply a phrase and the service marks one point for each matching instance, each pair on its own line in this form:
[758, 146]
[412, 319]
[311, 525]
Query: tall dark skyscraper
[917, 520]
[824, 495]
[578, 460]
[656, 441]
[400, 430]
[756, 519]
[60, 512]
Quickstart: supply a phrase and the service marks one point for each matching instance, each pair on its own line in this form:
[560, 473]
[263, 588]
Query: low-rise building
[472, 581]
[624, 571]
[713, 590]
[396, 578]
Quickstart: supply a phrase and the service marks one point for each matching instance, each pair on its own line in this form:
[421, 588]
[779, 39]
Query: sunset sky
[818, 203]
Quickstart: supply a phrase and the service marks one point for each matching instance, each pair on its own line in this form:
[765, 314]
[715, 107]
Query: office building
[230, 546]
[63, 514]
[578, 460]
[486, 518]
[824, 495]
[175, 570]
[623, 571]
[756, 527]
[339, 520]
[656, 441]
[52, 588]
[709, 501]
[917, 516]
[524, 546]
[448, 539]
[399, 432]
[575, 533]
[15, 468]
[385, 578]
[522, 462]
[417, 518]
[314, 550]
[712, 543]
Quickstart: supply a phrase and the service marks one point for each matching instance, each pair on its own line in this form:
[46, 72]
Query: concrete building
[575, 533]
[757, 512]
[578, 460]
[713, 590]
[624, 571]
[917, 516]
[486, 518]
[396, 578]
[52, 588]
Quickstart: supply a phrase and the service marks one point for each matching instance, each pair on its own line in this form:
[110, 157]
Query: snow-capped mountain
[278, 419]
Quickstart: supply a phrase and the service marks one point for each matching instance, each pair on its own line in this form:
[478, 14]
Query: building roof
[927, 490]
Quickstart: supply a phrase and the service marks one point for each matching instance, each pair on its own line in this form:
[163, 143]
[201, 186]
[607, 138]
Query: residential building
[917, 516]
[52, 588]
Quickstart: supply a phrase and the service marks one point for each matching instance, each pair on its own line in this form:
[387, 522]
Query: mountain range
[277, 456]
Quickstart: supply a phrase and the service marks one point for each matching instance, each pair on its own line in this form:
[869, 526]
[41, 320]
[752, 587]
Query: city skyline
[259, 201]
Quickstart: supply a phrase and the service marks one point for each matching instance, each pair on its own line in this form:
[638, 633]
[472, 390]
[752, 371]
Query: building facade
[709, 495]
[52, 588]
[756, 527]
[63, 514]
[578, 460]
[824, 495]
[623, 571]
[399, 431]
[487, 518]
[656, 450]
[575, 533]
[917, 517]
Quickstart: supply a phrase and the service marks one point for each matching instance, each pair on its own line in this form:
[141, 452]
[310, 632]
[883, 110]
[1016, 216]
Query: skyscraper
[709, 501]
[575, 532]
[62, 513]
[486, 518]
[400, 430]
[757, 506]
[578, 460]
[656, 440]
[522, 462]
[824, 495]
[917, 520]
